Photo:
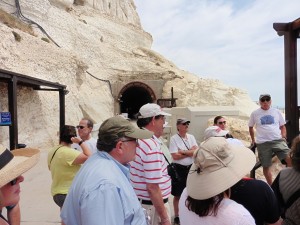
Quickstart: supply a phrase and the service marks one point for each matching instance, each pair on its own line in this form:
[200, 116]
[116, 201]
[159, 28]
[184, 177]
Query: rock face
[100, 39]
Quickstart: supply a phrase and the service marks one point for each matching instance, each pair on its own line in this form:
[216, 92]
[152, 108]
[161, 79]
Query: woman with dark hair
[286, 187]
[220, 122]
[13, 165]
[217, 166]
[64, 162]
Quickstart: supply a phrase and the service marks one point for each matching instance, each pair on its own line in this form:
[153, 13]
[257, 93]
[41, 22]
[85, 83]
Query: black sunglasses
[222, 122]
[13, 182]
[80, 127]
[265, 99]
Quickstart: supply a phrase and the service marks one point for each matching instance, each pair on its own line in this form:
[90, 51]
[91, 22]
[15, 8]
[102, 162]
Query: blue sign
[5, 118]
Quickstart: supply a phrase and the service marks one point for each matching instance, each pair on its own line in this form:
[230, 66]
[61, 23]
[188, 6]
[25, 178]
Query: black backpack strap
[292, 199]
[166, 159]
[54, 155]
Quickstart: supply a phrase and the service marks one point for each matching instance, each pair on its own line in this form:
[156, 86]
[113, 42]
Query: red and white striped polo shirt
[149, 166]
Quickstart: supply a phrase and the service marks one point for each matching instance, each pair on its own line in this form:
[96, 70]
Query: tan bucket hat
[217, 166]
[15, 163]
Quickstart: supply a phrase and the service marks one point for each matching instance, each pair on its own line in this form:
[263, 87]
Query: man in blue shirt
[101, 192]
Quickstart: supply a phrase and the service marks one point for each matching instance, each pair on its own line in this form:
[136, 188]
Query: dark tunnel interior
[132, 99]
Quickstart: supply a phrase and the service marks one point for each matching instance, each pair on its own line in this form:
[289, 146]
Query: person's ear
[119, 146]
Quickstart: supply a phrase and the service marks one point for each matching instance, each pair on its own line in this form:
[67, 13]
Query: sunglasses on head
[267, 99]
[222, 122]
[80, 127]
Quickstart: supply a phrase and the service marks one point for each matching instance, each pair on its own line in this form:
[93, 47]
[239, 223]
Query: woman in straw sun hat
[217, 166]
[12, 166]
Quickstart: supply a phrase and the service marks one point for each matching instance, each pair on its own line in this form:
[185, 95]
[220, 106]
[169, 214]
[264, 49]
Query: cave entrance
[133, 96]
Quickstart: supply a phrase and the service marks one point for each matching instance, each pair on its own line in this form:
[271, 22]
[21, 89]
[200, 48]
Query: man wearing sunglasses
[270, 135]
[182, 148]
[101, 192]
[84, 130]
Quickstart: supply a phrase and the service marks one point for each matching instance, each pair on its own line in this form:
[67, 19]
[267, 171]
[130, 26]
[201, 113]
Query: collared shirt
[149, 166]
[101, 193]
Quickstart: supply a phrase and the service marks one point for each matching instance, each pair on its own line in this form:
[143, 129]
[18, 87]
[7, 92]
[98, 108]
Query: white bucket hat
[217, 166]
[214, 131]
[15, 163]
[151, 110]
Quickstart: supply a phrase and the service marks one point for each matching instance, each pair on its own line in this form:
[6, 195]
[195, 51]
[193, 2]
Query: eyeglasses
[265, 99]
[222, 122]
[13, 182]
[128, 140]
[80, 127]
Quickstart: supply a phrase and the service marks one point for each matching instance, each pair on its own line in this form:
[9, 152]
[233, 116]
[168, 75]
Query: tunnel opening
[133, 96]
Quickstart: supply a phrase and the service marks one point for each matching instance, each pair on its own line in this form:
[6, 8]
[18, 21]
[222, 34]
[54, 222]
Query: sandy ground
[37, 206]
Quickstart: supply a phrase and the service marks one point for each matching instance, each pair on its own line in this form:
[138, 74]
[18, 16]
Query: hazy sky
[230, 40]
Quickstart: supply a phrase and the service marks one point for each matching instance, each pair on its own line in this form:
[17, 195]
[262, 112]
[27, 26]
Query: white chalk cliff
[99, 37]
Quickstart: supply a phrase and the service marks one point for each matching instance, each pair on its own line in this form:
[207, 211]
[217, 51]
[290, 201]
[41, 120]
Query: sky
[229, 40]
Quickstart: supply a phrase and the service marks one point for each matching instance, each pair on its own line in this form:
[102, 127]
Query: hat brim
[24, 159]
[183, 122]
[205, 185]
[140, 134]
[164, 114]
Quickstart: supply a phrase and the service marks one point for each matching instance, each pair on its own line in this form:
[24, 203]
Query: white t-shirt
[91, 143]
[176, 142]
[267, 124]
[229, 213]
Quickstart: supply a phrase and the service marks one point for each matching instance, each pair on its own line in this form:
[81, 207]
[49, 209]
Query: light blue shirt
[101, 193]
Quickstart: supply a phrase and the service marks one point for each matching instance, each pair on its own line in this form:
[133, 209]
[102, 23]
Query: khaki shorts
[266, 149]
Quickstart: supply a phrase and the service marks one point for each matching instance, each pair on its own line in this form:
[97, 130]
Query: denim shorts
[59, 199]
[266, 149]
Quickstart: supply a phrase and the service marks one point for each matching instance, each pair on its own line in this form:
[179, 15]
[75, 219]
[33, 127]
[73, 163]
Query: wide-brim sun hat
[217, 166]
[15, 163]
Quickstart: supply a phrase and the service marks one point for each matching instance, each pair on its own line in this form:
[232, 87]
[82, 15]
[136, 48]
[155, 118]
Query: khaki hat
[182, 121]
[217, 166]
[15, 163]
[151, 110]
[116, 127]
[214, 131]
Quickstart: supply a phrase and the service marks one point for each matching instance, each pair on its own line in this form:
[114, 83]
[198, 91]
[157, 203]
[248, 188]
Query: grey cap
[182, 121]
[264, 95]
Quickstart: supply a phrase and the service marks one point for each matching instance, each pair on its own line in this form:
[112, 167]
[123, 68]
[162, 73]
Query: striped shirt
[149, 166]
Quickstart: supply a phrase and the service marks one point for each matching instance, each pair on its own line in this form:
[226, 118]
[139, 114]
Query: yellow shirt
[62, 170]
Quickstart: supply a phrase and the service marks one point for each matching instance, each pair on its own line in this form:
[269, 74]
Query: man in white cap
[270, 135]
[148, 172]
[182, 148]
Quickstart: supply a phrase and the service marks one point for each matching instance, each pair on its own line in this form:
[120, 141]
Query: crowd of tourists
[128, 174]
